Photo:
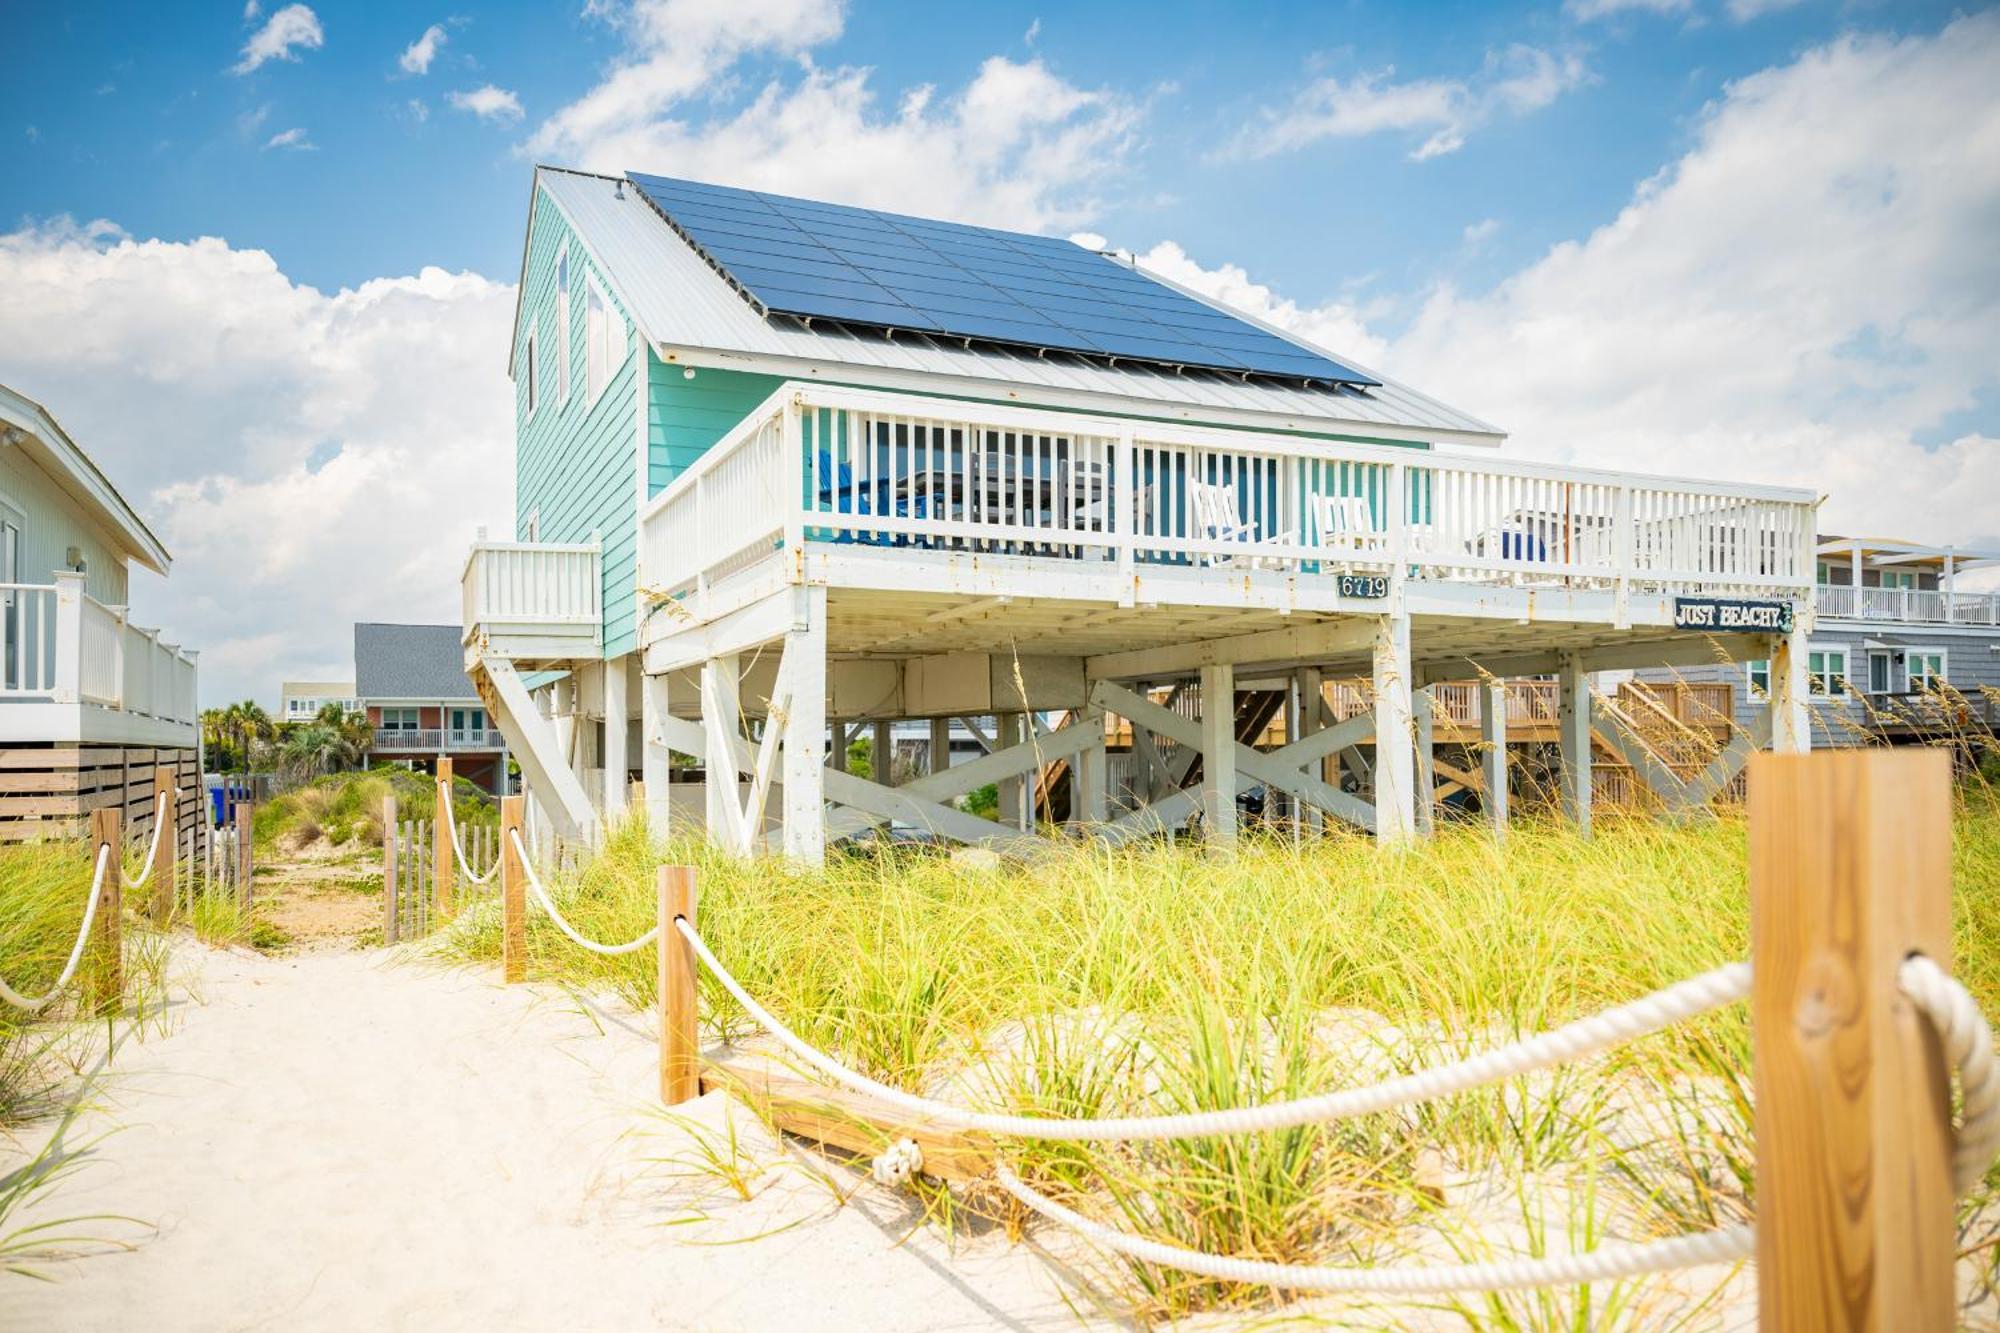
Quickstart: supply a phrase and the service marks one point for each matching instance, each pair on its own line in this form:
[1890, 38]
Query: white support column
[617, 723]
[1493, 759]
[1573, 739]
[882, 753]
[656, 759]
[939, 758]
[1008, 732]
[1089, 803]
[1424, 726]
[1791, 707]
[804, 766]
[1311, 721]
[1218, 754]
[722, 722]
[836, 752]
[1395, 761]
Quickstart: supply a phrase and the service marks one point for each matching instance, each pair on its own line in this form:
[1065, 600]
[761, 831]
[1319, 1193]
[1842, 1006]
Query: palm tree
[353, 736]
[312, 749]
[248, 723]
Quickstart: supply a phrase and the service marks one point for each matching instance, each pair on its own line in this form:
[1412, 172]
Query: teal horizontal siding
[576, 462]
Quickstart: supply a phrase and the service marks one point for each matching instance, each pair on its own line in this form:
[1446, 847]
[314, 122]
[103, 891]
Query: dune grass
[1158, 978]
[346, 808]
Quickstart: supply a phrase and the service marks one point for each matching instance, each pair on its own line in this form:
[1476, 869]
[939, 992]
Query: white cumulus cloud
[294, 139]
[1809, 296]
[290, 30]
[1514, 81]
[1016, 145]
[310, 459]
[417, 56]
[487, 103]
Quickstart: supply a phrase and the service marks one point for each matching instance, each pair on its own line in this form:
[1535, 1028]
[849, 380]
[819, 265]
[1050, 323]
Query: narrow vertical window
[562, 327]
[531, 376]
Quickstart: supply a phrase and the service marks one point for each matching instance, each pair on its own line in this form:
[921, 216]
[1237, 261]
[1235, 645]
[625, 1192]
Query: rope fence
[1859, 1032]
[36, 1003]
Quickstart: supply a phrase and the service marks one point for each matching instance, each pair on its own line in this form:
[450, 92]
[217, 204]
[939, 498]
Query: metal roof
[421, 662]
[692, 316]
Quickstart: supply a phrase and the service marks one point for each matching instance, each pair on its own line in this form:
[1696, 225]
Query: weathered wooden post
[389, 915]
[513, 893]
[245, 862]
[1850, 873]
[110, 944]
[166, 841]
[680, 1043]
[442, 868]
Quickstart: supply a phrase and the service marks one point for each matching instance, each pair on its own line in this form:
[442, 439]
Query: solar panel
[884, 270]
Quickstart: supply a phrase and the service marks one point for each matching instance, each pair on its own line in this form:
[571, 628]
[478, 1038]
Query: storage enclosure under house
[761, 505]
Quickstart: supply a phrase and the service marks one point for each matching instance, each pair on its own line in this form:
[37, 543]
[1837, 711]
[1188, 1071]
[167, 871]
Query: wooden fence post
[1850, 873]
[442, 868]
[680, 1043]
[389, 917]
[109, 946]
[513, 894]
[245, 863]
[167, 838]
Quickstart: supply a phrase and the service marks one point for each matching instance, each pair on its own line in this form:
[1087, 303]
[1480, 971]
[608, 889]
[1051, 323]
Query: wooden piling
[166, 837]
[1850, 873]
[513, 893]
[108, 948]
[442, 868]
[680, 1042]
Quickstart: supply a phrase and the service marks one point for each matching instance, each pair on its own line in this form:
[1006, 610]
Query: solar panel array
[883, 270]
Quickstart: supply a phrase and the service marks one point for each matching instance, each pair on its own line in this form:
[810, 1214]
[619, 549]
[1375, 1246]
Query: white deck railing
[58, 644]
[1914, 605]
[821, 464]
[546, 589]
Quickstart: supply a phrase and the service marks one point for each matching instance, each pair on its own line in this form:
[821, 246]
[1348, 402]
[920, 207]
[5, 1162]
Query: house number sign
[1364, 585]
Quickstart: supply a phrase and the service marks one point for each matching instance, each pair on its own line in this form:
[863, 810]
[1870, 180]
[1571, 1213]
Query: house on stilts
[786, 469]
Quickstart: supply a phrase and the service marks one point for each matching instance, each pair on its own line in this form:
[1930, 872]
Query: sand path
[343, 1140]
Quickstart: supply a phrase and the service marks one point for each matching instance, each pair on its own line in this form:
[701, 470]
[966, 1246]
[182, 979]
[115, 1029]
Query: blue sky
[260, 261]
[167, 141]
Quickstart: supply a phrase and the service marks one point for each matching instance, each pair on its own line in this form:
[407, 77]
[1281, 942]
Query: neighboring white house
[90, 703]
[301, 700]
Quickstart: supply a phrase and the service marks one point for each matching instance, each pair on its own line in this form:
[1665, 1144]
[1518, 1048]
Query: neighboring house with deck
[1899, 652]
[787, 469]
[410, 680]
[90, 702]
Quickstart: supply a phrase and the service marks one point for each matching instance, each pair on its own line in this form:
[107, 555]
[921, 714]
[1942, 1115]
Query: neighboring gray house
[1892, 626]
[411, 681]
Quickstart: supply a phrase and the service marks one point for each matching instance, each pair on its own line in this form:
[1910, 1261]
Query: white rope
[542, 897]
[1968, 1045]
[20, 1001]
[458, 850]
[896, 1164]
[1663, 1008]
[153, 852]
[1603, 1264]
[1961, 1028]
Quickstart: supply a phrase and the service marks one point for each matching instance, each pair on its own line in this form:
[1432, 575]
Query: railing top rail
[712, 457]
[550, 548]
[27, 587]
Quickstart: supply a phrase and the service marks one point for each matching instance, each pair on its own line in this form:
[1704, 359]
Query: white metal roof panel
[690, 313]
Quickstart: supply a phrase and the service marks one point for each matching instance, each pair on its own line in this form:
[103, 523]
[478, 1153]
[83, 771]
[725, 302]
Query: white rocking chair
[1347, 526]
[1217, 519]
